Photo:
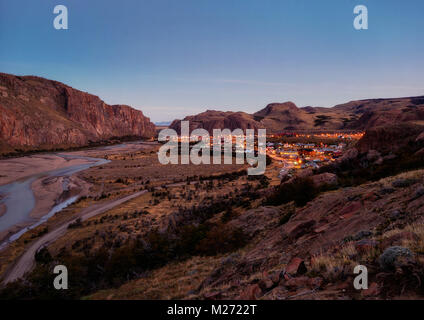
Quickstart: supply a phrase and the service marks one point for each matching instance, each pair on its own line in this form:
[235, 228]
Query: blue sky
[171, 58]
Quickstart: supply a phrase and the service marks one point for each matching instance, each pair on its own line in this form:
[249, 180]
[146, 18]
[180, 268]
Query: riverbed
[18, 198]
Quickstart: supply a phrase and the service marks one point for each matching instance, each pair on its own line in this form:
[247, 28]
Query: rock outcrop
[385, 139]
[36, 113]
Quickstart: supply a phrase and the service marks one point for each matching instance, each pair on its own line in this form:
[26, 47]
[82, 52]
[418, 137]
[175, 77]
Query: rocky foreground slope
[308, 248]
[37, 113]
[277, 117]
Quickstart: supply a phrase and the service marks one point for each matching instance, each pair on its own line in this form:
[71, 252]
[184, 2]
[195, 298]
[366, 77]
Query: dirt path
[26, 262]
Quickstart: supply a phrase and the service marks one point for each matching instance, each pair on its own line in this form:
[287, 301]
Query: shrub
[43, 256]
[300, 190]
[391, 257]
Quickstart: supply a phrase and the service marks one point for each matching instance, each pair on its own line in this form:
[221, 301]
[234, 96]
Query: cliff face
[37, 113]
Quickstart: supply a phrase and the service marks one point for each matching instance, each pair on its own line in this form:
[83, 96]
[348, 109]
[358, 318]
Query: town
[294, 151]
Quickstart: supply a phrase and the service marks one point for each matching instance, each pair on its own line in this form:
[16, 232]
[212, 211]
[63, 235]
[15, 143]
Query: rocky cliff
[37, 113]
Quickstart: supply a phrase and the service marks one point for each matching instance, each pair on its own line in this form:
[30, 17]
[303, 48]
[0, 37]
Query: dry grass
[330, 265]
[416, 243]
[174, 281]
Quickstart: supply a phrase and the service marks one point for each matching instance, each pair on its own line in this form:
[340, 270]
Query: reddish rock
[296, 267]
[301, 229]
[275, 277]
[252, 292]
[316, 282]
[420, 138]
[212, 296]
[325, 179]
[266, 284]
[347, 216]
[304, 282]
[351, 209]
[297, 283]
[322, 228]
[370, 196]
[372, 291]
[365, 246]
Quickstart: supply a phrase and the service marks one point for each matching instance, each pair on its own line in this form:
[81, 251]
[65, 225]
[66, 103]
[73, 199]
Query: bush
[300, 190]
[286, 216]
[391, 257]
[43, 256]
[221, 240]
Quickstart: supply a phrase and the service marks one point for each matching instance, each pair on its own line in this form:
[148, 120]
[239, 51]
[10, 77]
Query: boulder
[296, 267]
[304, 173]
[325, 179]
[296, 283]
[349, 155]
[419, 192]
[403, 183]
[395, 214]
[372, 291]
[362, 234]
[304, 282]
[253, 292]
[395, 257]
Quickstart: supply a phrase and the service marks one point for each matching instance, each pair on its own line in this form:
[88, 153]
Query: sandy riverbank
[48, 192]
[18, 168]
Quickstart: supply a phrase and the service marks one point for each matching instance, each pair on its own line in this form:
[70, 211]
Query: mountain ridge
[277, 117]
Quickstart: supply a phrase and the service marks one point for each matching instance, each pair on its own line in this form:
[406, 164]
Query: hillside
[37, 113]
[277, 117]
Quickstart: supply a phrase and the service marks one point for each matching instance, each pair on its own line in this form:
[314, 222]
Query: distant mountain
[36, 113]
[277, 117]
[211, 119]
[163, 123]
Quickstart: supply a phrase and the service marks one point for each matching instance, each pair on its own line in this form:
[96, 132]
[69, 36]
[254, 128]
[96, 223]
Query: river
[19, 199]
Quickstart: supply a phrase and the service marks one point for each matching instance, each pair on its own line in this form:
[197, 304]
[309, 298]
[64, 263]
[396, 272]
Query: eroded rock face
[37, 113]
